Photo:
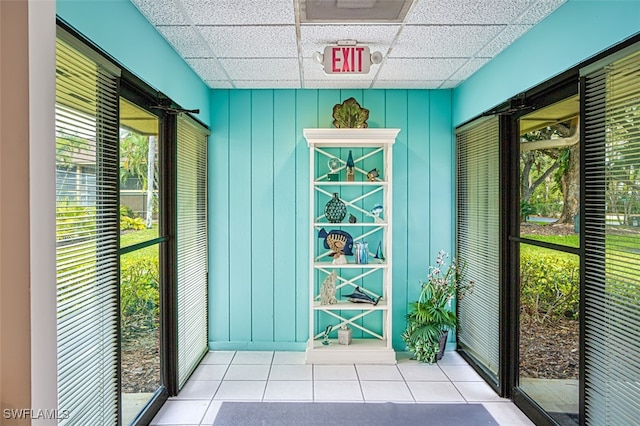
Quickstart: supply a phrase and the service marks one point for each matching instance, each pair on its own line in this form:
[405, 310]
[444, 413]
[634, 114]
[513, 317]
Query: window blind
[191, 246]
[87, 229]
[477, 236]
[612, 235]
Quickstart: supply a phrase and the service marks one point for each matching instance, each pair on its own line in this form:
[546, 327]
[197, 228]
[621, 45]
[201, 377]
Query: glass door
[549, 260]
[141, 245]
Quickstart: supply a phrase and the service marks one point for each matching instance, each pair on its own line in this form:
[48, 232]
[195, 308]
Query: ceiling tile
[539, 11]
[469, 68]
[337, 84]
[443, 41]
[239, 12]
[267, 84]
[262, 68]
[161, 12]
[187, 41]
[315, 37]
[219, 84]
[504, 39]
[207, 69]
[251, 41]
[420, 69]
[402, 84]
[450, 84]
[442, 12]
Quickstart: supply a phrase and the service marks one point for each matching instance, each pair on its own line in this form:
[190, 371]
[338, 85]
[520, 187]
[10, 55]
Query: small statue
[372, 175]
[358, 296]
[325, 335]
[339, 242]
[328, 290]
[376, 211]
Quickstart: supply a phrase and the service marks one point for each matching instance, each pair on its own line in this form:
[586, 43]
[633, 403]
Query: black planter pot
[443, 344]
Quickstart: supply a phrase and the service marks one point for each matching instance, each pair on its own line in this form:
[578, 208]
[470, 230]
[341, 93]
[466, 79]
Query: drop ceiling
[269, 43]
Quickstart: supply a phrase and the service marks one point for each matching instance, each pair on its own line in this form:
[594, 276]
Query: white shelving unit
[370, 324]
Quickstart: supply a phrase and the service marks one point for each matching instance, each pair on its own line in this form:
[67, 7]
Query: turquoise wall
[576, 31]
[259, 197]
[123, 33]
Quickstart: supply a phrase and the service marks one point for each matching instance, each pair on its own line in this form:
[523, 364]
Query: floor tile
[211, 413]
[218, 357]
[378, 372]
[404, 357]
[452, 358]
[247, 372]
[334, 372]
[253, 357]
[289, 390]
[424, 372]
[435, 392]
[209, 372]
[241, 390]
[386, 391]
[507, 414]
[242, 376]
[177, 412]
[291, 372]
[477, 392]
[461, 373]
[199, 389]
[288, 358]
[337, 390]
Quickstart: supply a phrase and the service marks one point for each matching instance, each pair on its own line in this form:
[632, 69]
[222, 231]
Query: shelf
[345, 305]
[350, 137]
[373, 150]
[325, 265]
[368, 224]
[345, 183]
[360, 351]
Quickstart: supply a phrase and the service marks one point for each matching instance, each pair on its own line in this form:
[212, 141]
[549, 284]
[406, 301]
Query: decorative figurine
[351, 176]
[358, 296]
[349, 114]
[372, 175]
[379, 255]
[334, 165]
[328, 290]
[352, 218]
[376, 211]
[325, 335]
[344, 335]
[339, 242]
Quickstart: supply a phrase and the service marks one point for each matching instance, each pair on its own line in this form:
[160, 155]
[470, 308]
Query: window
[86, 115]
[191, 246]
[478, 239]
[612, 239]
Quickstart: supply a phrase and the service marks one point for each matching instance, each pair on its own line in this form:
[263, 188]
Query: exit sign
[347, 59]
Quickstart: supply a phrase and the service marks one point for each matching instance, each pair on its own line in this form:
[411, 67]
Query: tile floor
[283, 376]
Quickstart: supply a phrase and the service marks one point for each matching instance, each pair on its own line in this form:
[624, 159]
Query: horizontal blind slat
[612, 253]
[87, 235]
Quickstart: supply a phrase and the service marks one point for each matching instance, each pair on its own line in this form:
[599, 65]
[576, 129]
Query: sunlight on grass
[130, 238]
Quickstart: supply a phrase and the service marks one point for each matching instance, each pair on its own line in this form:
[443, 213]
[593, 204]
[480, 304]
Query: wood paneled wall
[259, 196]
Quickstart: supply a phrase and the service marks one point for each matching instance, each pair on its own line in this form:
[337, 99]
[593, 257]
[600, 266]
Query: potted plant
[430, 317]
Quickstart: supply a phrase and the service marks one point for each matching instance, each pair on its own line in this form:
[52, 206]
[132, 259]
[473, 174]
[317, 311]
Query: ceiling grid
[270, 43]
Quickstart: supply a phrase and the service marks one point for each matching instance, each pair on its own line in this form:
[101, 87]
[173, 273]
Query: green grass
[130, 238]
[565, 240]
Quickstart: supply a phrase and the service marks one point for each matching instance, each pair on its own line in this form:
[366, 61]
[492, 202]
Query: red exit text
[347, 59]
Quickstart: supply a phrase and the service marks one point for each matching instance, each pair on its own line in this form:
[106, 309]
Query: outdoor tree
[136, 153]
[550, 170]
